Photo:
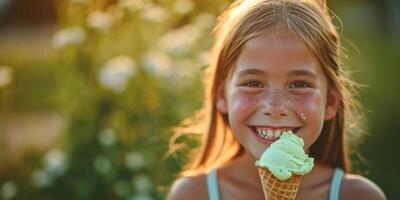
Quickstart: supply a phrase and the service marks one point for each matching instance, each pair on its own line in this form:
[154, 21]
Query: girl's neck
[242, 168]
[247, 163]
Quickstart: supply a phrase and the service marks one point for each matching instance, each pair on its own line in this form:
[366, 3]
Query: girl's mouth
[268, 135]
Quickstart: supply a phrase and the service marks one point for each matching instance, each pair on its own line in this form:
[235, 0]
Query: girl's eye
[257, 84]
[299, 84]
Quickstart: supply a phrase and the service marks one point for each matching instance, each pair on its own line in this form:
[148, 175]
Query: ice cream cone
[275, 189]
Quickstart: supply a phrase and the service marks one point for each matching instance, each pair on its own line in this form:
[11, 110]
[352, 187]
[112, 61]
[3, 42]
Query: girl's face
[277, 84]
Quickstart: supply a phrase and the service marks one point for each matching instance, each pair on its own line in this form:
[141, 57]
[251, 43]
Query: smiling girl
[275, 67]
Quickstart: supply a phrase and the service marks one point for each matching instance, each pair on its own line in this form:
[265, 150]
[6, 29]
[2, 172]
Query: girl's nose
[275, 105]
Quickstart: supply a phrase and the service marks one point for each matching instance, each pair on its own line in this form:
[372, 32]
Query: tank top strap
[335, 184]
[212, 185]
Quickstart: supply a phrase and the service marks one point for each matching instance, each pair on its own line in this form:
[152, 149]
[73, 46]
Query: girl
[275, 67]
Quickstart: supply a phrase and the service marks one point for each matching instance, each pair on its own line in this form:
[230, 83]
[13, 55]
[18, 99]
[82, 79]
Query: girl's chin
[256, 151]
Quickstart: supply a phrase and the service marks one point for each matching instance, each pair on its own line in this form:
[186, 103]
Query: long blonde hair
[243, 20]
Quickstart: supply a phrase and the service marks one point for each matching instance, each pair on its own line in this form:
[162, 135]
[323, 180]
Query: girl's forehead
[274, 38]
[277, 52]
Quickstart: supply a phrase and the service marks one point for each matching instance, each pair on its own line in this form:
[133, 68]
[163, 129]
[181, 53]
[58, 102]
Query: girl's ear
[332, 105]
[221, 102]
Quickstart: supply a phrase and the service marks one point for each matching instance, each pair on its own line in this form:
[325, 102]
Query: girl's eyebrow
[298, 72]
[303, 72]
[252, 72]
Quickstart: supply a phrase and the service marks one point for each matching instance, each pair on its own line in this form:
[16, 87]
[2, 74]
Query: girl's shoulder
[358, 187]
[189, 187]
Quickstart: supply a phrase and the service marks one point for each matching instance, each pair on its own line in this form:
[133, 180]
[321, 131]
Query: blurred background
[89, 91]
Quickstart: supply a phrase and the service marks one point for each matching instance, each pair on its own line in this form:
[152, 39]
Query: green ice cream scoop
[286, 157]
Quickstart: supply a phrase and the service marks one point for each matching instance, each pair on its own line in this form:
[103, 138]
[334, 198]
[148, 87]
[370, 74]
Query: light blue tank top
[213, 194]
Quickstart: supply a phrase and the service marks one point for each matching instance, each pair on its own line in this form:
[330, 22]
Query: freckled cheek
[309, 105]
[243, 103]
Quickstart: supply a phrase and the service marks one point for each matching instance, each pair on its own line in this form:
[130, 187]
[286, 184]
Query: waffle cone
[275, 189]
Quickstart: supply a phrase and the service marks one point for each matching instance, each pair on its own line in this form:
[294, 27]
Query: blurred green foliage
[122, 75]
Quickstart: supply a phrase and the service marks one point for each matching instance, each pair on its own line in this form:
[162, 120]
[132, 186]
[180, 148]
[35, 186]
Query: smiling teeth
[270, 133]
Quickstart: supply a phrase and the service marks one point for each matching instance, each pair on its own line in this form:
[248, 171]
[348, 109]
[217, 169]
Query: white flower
[183, 6]
[183, 72]
[8, 190]
[121, 188]
[55, 162]
[157, 63]
[131, 4]
[41, 178]
[178, 73]
[135, 160]
[154, 13]
[205, 21]
[181, 40]
[99, 20]
[102, 164]
[142, 184]
[6, 76]
[116, 73]
[68, 36]
[107, 137]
